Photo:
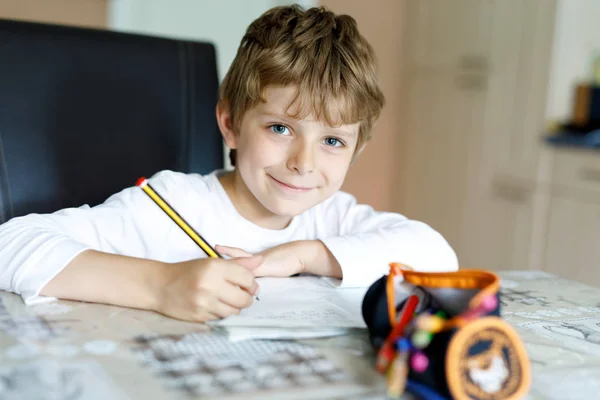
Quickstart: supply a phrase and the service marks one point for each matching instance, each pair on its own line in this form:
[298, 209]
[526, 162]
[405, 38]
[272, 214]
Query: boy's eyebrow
[276, 115]
[344, 133]
[334, 131]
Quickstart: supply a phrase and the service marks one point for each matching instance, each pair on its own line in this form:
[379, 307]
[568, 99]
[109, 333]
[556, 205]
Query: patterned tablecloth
[73, 350]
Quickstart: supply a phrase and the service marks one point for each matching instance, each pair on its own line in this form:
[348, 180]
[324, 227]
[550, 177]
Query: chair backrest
[84, 113]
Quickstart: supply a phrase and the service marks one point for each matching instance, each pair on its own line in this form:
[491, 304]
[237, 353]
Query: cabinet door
[520, 51]
[497, 226]
[445, 89]
[573, 239]
[474, 87]
[448, 35]
[443, 125]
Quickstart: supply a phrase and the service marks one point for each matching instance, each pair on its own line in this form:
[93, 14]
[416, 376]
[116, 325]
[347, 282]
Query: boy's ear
[361, 148]
[226, 125]
[358, 151]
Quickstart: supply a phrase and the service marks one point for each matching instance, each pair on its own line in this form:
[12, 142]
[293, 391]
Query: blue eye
[333, 142]
[280, 129]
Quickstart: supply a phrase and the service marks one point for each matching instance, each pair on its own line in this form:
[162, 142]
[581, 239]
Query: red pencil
[386, 353]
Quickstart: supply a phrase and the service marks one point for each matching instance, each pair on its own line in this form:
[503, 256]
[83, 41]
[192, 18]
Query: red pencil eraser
[140, 181]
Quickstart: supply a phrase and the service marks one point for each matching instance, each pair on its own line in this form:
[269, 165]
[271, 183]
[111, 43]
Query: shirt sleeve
[36, 247]
[365, 242]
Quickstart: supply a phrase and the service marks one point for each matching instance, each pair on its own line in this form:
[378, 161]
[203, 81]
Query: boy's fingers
[233, 252]
[242, 277]
[207, 316]
[250, 263]
[223, 310]
[235, 297]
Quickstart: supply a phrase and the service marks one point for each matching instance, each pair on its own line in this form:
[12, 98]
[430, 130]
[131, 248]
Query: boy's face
[289, 165]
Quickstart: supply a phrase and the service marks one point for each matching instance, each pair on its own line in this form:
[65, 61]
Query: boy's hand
[304, 256]
[279, 261]
[208, 288]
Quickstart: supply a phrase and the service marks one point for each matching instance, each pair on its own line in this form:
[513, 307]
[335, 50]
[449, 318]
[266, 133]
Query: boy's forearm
[317, 259]
[99, 277]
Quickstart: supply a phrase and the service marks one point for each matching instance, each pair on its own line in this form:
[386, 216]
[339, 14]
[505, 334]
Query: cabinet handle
[471, 81]
[510, 193]
[590, 174]
[473, 62]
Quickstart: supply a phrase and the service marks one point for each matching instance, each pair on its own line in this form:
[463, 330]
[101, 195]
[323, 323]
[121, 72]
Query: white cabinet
[474, 165]
[435, 165]
[505, 202]
[444, 96]
[520, 53]
[572, 241]
[447, 35]
[497, 231]
[475, 79]
[577, 171]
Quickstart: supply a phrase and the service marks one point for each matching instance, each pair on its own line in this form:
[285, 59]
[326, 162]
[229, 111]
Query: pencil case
[440, 336]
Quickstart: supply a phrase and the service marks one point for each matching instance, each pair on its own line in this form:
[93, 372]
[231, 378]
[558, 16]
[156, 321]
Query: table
[87, 351]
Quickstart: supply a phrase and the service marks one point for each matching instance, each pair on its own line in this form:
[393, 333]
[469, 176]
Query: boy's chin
[288, 210]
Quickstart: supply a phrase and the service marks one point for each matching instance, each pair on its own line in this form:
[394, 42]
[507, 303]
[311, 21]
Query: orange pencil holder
[447, 329]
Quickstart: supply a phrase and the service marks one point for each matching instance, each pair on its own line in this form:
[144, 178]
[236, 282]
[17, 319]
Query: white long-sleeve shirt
[36, 247]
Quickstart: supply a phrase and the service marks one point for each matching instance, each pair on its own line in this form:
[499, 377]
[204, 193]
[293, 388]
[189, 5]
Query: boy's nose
[302, 160]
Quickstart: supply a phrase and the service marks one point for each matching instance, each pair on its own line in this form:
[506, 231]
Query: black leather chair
[84, 113]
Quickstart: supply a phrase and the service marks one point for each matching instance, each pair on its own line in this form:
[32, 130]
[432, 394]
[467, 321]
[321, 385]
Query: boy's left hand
[279, 261]
[302, 256]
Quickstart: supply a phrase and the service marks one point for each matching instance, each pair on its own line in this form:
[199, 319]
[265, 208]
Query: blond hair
[319, 52]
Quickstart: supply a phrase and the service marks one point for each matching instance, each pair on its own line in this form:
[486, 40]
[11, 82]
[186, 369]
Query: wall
[373, 177]
[220, 22]
[88, 13]
[576, 43]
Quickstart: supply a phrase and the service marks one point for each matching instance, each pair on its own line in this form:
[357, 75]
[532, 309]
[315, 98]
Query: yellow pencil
[397, 375]
[195, 236]
[178, 219]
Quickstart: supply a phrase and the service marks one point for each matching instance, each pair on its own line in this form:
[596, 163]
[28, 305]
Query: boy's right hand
[209, 288]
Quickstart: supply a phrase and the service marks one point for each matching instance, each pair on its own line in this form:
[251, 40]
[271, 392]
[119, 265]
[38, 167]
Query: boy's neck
[247, 205]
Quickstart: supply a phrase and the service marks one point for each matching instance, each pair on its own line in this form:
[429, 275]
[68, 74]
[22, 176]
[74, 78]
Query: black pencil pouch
[440, 336]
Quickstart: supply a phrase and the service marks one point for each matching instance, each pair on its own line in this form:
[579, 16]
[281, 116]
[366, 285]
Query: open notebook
[297, 307]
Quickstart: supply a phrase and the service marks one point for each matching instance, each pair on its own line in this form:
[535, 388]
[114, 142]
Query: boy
[296, 108]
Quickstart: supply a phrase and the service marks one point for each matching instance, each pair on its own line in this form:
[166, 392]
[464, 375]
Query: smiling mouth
[299, 189]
